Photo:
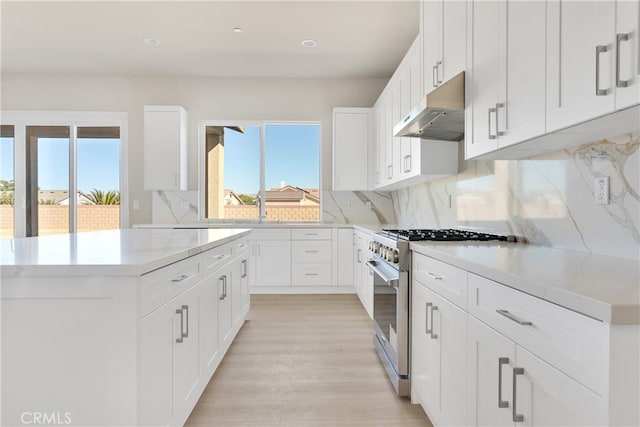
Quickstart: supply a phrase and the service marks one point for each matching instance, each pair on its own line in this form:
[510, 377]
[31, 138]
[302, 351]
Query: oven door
[391, 314]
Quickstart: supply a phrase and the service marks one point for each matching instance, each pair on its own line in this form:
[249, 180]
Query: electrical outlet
[601, 190]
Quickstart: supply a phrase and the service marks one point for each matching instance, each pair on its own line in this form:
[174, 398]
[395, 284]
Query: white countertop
[247, 225]
[605, 288]
[112, 252]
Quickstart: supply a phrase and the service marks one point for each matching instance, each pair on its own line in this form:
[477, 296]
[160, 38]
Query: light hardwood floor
[304, 361]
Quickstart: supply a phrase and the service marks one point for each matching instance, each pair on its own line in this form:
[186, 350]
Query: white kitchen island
[122, 327]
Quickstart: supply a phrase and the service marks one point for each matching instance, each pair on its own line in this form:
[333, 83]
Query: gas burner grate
[444, 235]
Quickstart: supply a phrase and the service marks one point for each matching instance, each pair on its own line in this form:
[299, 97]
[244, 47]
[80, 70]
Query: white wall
[204, 99]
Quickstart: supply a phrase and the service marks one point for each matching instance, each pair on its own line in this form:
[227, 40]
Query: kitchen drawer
[448, 281]
[311, 274]
[310, 252]
[164, 284]
[573, 343]
[270, 234]
[215, 258]
[311, 234]
[240, 246]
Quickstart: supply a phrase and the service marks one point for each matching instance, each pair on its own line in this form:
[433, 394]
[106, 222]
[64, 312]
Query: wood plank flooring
[304, 361]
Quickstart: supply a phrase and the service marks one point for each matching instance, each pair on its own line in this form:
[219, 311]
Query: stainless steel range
[390, 262]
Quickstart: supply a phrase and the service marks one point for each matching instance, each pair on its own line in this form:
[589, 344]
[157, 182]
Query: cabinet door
[425, 353]
[380, 125]
[273, 263]
[169, 370]
[547, 397]
[345, 257]
[225, 320]
[240, 290]
[521, 109]
[411, 93]
[489, 373]
[186, 369]
[450, 327]
[158, 333]
[628, 46]
[209, 323]
[432, 23]
[454, 38]
[580, 61]
[482, 77]
[165, 148]
[350, 148]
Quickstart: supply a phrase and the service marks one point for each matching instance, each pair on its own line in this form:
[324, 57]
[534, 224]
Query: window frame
[262, 218]
[74, 119]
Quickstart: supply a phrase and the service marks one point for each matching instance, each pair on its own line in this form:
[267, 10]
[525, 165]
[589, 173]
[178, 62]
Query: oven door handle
[390, 281]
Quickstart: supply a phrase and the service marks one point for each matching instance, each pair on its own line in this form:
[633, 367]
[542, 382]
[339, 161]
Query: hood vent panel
[440, 114]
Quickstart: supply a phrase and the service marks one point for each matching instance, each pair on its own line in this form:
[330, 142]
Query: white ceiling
[355, 38]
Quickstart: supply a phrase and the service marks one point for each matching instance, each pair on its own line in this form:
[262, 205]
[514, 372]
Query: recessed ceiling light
[237, 29]
[151, 41]
[309, 43]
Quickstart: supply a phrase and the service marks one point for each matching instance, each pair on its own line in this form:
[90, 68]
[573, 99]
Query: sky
[98, 163]
[292, 156]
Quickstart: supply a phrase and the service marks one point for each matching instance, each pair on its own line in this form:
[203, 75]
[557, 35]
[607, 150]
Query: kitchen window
[260, 171]
[69, 172]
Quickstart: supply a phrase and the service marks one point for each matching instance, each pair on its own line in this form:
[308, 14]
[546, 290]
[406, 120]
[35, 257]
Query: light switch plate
[601, 190]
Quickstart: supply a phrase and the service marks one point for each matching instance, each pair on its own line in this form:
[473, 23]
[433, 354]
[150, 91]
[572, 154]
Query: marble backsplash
[338, 207]
[548, 199]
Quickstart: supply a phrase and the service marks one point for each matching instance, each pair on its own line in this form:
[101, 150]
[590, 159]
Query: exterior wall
[54, 219]
[274, 213]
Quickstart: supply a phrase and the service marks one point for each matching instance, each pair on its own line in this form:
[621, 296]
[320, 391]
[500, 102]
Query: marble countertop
[605, 288]
[112, 252]
[213, 225]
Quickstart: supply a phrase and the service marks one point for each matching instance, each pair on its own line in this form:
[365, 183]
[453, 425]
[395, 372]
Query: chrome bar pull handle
[434, 79]
[619, 39]
[435, 276]
[221, 279]
[498, 106]
[438, 79]
[185, 308]
[600, 49]
[501, 403]
[407, 159]
[244, 268]
[427, 331]
[514, 318]
[181, 313]
[434, 308]
[515, 416]
[491, 110]
[180, 278]
[224, 285]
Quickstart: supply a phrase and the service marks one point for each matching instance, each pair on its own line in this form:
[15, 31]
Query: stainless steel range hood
[440, 114]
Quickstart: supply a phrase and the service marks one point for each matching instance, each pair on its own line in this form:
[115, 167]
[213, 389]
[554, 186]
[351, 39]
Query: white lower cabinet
[169, 373]
[438, 374]
[272, 263]
[508, 358]
[543, 395]
[363, 276]
[183, 341]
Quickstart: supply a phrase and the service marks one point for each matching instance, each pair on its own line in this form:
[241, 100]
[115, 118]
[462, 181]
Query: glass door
[47, 184]
[7, 181]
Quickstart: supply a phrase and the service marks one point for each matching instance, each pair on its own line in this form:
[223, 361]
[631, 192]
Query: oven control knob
[383, 252]
[396, 257]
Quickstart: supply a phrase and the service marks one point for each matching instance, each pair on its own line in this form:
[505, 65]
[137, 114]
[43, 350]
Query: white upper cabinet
[443, 40]
[592, 60]
[403, 161]
[165, 147]
[352, 133]
[581, 58]
[628, 51]
[506, 74]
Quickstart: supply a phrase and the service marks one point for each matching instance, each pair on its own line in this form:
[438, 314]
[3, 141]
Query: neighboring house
[289, 195]
[231, 198]
[61, 197]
